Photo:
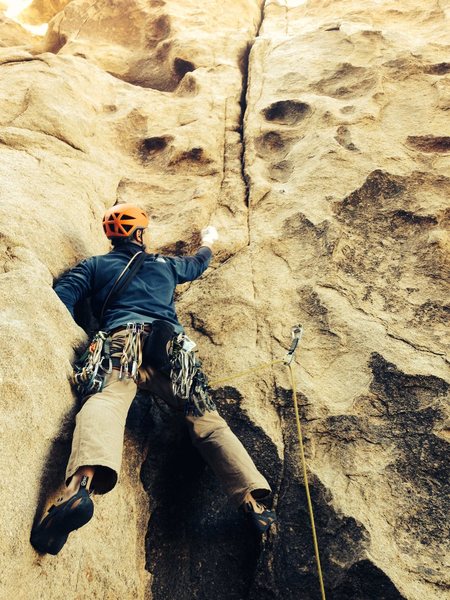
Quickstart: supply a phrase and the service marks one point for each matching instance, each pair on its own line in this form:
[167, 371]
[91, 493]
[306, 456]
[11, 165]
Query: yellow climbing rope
[305, 479]
[296, 333]
[240, 374]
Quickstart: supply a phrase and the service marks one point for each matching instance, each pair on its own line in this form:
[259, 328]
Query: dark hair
[122, 241]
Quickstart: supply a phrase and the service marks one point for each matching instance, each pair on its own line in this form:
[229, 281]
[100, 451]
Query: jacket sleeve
[76, 284]
[188, 268]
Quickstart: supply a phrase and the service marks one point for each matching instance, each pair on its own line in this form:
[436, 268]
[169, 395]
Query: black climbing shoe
[260, 521]
[50, 535]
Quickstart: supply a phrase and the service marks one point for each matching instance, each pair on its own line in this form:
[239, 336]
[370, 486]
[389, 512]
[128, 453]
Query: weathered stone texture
[154, 44]
[331, 197]
[41, 11]
[12, 34]
[349, 135]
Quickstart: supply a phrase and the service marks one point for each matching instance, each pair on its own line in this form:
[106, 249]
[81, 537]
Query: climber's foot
[50, 535]
[261, 517]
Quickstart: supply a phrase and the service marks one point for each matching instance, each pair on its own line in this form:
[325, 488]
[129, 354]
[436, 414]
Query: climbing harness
[189, 383]
[89, 372]
[297, 332]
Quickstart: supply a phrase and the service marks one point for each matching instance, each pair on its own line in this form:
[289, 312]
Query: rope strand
[305, 479]
[216, 382]
[301, 452]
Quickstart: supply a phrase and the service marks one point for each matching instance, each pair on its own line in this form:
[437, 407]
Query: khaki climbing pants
[99, 432]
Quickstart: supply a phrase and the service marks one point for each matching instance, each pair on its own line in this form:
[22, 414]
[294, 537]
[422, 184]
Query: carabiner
[297, 332]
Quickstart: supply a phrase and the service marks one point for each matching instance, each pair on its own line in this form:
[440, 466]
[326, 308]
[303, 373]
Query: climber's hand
[209, 235]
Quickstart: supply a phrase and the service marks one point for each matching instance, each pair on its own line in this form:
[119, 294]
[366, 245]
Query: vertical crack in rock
[245, 61]
[243, 103]
[198, 545]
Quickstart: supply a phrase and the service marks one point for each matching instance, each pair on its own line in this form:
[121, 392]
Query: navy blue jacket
[149, 295]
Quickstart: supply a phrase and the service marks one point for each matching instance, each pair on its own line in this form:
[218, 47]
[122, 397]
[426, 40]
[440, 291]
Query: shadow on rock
[54, 470]
[287, 567]
[198, 545]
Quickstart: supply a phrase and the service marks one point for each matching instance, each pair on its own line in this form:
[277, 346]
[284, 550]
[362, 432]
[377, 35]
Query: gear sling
[162, 348]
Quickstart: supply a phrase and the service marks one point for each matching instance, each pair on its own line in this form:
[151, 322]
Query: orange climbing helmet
[122, 220]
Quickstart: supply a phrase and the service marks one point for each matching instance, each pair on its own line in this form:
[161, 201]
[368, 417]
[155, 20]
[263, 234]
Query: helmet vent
[122, 220]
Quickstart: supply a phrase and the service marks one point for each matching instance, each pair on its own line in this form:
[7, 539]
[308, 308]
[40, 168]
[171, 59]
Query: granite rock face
[41, 11]
[316, 139]
[12, 34]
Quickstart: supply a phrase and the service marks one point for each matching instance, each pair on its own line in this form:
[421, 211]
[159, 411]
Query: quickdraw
[131, 358]
[90, 371]
[189, 383]
[296, 332]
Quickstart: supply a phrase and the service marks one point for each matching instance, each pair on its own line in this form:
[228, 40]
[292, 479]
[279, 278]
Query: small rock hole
[195, 154]
[154, 145]
[409, 217]
[438, 69]
[288, 112]
[430, 143]
[181, 67]
[161, 28]
[273, 141]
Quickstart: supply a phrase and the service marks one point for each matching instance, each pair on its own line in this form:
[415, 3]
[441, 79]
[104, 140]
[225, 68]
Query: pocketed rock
[322, 158]
[155, 44]
[348, 136]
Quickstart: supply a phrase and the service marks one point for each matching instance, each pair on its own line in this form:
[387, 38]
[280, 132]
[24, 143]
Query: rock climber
[141, 345]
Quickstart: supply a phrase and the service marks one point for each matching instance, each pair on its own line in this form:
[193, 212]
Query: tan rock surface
[41, 11]
[336, 217]
[73, 141]
[12, 34]
[154, 44]
[349, 134]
